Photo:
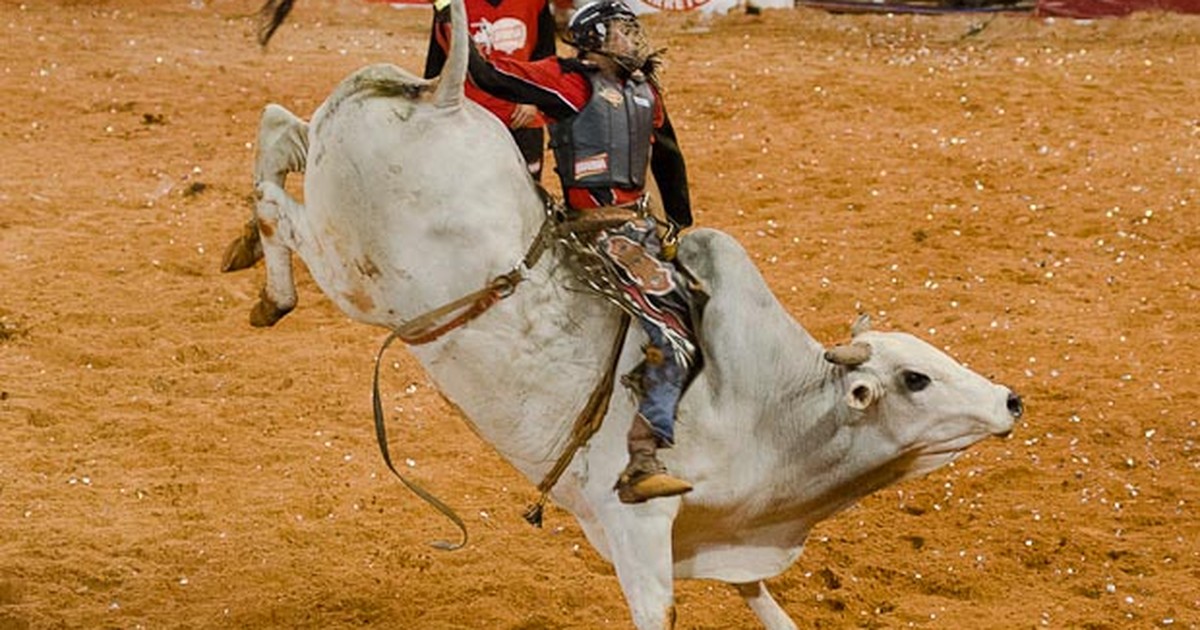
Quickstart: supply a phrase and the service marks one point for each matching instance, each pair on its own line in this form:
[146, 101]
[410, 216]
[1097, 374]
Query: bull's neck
[838, 456]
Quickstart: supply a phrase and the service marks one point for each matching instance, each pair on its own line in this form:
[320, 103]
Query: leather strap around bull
[432, 325]
[429, 326]
[586, 424]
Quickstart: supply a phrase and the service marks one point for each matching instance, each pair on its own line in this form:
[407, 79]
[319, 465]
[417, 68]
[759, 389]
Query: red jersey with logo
[512, 29]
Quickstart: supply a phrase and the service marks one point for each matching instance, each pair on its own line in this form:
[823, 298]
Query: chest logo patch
[506, 35]
[611, 95]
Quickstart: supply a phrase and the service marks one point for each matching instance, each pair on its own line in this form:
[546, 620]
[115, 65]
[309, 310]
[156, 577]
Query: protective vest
[607, 144]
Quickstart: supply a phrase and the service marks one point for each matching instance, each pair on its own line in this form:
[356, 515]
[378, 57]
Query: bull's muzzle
[1016, 408]
[1015, 405]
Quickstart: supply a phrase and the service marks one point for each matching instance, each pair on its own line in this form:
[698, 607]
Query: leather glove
[670, 241]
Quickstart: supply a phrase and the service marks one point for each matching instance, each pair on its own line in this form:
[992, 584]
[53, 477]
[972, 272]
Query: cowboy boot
[645, 478]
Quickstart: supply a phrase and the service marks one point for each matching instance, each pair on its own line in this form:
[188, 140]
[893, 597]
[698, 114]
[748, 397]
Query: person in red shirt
[608, 126]
[516, 29]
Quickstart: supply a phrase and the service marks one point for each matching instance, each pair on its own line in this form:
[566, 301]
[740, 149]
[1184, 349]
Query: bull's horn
[861, 325]
[849, 355]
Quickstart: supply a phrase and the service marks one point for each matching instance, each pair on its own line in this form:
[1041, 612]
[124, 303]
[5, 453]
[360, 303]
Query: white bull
[416, 197]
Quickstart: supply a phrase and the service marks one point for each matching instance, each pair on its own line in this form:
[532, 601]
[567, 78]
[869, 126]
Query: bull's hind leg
[764, 606]
[282, 149]
[245, 250]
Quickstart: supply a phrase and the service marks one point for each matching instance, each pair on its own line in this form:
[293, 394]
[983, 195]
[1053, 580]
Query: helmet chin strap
[625, 44]
[629, 63]
[633, 66]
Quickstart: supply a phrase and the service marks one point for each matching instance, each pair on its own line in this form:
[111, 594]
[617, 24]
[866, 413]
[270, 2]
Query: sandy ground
[1025, 197]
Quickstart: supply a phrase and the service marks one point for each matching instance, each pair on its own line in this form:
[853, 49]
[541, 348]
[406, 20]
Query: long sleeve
[540, 83]
[439, 42]
[667, 165]
[545, 45]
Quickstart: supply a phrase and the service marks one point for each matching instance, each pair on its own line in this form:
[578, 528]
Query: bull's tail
[454, 74]
[270, 17]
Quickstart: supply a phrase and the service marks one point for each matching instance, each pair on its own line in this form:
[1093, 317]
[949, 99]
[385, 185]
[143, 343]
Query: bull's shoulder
[741, 316]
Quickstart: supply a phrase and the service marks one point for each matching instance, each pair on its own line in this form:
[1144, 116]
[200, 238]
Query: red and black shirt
[561, 88]
[517, 29]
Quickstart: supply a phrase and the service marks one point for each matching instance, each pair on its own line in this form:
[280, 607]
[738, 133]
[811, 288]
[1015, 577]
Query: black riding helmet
[588, 28]
[597, 26]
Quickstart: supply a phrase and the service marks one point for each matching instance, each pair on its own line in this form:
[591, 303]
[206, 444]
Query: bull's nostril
[1015, 406]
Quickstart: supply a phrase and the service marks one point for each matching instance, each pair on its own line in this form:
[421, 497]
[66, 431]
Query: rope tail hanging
[586, 424]
[439, 321]
[381, 437]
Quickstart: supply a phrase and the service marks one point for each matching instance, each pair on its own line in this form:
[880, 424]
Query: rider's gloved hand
[670, 241]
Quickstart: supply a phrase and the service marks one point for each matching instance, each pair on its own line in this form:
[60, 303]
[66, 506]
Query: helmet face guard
[609, 28]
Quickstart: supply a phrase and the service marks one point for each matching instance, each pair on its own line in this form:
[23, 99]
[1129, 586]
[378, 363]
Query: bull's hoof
[651, 486]
[266, 313]
[244, 251]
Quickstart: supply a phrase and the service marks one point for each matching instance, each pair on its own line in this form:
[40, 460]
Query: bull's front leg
[282, 149]
[768, 611]
[639, 543]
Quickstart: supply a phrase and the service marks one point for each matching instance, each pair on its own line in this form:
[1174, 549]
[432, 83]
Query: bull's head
[917, 399]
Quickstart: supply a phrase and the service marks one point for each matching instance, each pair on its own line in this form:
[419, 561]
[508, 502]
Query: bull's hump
[382, 79]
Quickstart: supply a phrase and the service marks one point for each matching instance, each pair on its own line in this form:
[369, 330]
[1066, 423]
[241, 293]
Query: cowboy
[608, 126]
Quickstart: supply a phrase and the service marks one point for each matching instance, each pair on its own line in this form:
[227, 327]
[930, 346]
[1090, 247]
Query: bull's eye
[915, 381]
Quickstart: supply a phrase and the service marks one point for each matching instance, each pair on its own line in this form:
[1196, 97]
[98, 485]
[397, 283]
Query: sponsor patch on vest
[641, 101]
[591, 165]
[613, 96]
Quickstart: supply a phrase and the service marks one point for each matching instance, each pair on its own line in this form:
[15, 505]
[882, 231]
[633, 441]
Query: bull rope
[381, 438]
[586, 424]
[426, 328]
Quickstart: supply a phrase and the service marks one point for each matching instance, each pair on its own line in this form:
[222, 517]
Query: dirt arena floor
[1024, 193]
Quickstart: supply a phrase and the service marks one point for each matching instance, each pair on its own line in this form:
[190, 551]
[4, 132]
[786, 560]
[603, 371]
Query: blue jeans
[662, 383]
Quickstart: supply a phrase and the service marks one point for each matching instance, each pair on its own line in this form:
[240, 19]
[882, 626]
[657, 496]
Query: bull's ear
[861, 325]
[862, 393]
